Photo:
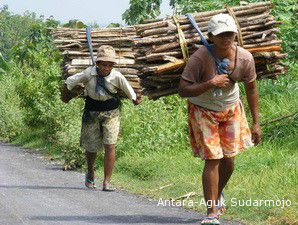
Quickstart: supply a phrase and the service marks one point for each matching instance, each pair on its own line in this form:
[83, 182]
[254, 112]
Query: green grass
[36, 138]
[264, 172]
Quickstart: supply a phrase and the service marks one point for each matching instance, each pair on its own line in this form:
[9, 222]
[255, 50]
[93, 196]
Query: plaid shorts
[101, 128]
[216, 135]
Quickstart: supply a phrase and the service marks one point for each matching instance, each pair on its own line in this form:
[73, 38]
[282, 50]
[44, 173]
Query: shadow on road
[119, 219]
[34, 187]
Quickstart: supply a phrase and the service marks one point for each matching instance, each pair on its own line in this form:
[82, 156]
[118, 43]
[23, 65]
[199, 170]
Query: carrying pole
[89, 41]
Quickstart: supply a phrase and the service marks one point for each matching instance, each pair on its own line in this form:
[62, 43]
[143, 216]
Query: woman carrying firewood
[100, 121]
[217, 122]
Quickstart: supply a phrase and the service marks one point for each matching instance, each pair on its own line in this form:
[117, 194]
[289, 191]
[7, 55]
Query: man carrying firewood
[217, 122]
[100, 120]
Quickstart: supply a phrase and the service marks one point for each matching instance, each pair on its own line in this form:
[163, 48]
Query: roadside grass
[262, 173]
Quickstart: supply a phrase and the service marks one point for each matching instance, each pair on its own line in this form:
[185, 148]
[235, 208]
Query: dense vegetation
[153, 148]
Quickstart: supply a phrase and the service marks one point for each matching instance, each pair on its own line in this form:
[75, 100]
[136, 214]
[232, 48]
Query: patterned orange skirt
[216, 135]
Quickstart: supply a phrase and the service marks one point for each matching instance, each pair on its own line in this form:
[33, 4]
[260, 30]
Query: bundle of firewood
[153, 51]
[159, 49]
[76, 57]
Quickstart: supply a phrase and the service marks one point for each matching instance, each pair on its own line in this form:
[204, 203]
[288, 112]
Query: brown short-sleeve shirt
[201, 68]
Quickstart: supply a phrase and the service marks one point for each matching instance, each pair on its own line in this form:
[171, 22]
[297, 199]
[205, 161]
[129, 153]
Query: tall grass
[12, 115]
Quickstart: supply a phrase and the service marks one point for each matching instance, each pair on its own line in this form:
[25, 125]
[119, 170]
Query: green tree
[111, 25]
[140, 10]
[13, 28]
[51, 22]
[189, 6]
[74, 24]
[94, 25]
[35, 46]
[4, 66]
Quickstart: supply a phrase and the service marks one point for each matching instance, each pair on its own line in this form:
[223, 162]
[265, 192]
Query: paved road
[34, 190]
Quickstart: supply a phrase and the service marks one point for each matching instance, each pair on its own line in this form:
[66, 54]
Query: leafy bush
[14, 28]
[67, 134]
[12, 115]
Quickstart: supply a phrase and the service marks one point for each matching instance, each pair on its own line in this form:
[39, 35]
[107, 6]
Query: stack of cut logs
[73, 45]
[151, 51]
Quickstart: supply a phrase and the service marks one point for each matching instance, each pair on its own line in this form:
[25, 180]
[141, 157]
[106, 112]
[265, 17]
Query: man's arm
[188, 89]
[73, 86]
[252, 99]
[78, 79]
[124, 86]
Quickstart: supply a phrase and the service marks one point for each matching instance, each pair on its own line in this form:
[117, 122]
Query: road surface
[34, 190]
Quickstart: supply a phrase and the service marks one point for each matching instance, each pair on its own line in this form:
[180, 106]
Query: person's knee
[230, 167]
[91, 153]
[212, 161]
[212, 164]
[229, 164]
[109, 148]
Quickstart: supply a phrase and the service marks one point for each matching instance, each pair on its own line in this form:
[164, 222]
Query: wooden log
[260, 40]
[268, 43]
[203, 22]
[275, 70]
[99, 40]
[124, 71]
[161, 86]
[189, 34]
[172, 46]
[69, 57]
[134, 66]
[269, 55]
[77, 45]
[189, 29]
[95, 30]
[76, 62]
[165, 67]
[140, 28]
[164, 76]
[260, 33]
[157, 94]
[162, 80]
[159, 56]
[261, 26]
[183, 19]
[244, 21]
[128, 71]
[60, 32]
[65, 41]
[178, 54]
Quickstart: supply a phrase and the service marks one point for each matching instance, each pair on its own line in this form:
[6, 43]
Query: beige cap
[106, 53]
[221, 23]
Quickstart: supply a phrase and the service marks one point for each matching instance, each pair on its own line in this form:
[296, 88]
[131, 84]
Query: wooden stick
[203, 23]
[157, 94]
[214, 12]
